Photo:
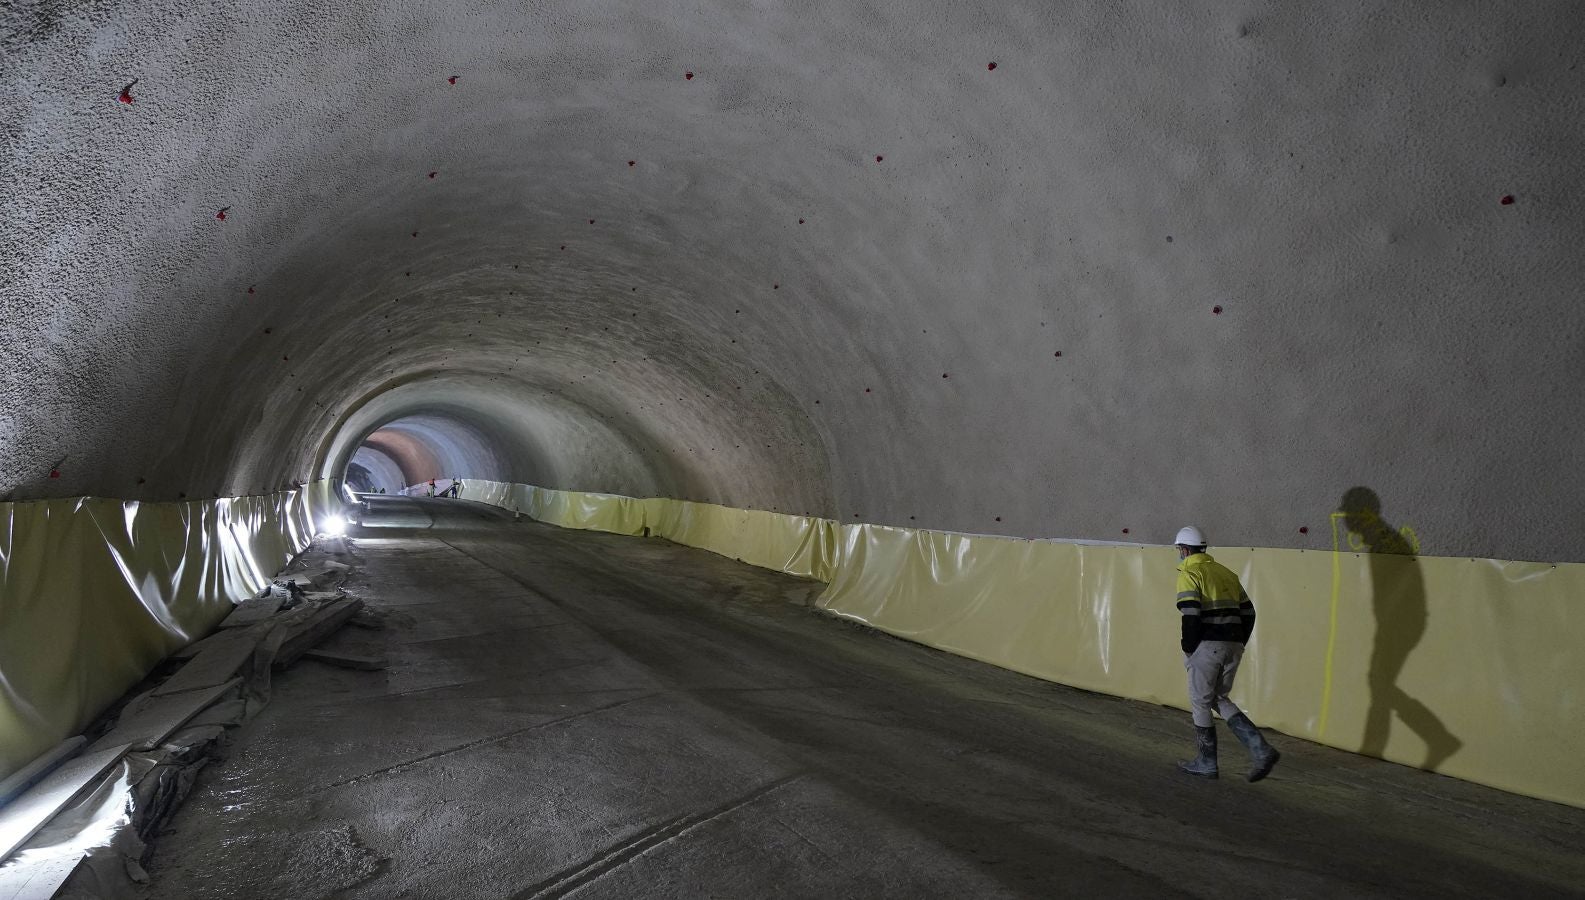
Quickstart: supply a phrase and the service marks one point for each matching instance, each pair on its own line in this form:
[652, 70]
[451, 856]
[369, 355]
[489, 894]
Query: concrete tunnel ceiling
[1044, 269]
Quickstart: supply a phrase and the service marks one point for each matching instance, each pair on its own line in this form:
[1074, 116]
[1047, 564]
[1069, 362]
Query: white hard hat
[1189, 536]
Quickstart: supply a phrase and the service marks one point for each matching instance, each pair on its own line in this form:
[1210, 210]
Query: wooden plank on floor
[37, 879]
[160, 717]
[23, 817]
[253, 610]
[322, 576]
[25, 777]
[346, 660]
[322, 625]
[220, 659]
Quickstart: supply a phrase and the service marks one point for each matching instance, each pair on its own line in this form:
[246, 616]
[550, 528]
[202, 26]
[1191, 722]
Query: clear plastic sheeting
[94, 592]
[1466, 667]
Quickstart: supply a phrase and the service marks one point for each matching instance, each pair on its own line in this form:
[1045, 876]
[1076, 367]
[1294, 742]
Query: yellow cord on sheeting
[1331, 633]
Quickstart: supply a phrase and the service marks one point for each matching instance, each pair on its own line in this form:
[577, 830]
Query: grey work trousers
[1211, 667]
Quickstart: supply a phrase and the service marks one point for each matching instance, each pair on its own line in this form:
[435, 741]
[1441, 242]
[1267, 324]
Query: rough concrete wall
[832, 272]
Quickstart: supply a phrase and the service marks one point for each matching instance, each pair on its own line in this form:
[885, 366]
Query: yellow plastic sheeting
[1467, 667]
[1475, 674]
[1092, 617]
[94, 592]
[798, 545]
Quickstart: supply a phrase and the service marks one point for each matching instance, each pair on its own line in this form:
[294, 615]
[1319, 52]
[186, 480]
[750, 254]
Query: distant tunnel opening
[615, 436]
[418, 449]
[373, 471]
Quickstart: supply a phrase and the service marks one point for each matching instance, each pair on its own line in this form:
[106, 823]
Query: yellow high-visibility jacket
[1213, 603]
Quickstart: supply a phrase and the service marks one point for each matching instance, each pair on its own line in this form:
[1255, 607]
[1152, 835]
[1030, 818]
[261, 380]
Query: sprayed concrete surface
[963, 266]
[579, 713]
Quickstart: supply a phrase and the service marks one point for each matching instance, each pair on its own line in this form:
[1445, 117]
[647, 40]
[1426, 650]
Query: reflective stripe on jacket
[1213, 603]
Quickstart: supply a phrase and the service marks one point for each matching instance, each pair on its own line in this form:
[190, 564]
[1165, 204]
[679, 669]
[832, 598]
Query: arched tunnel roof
[1048, 269]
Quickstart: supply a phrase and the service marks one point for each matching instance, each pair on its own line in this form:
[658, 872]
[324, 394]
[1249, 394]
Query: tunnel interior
[873, 284]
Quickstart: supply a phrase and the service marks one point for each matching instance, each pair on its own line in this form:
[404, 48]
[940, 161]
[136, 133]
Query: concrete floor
[570, 712]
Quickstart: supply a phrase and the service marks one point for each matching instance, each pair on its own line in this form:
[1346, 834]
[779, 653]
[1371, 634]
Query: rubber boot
[1203, 765]
[1262, 756]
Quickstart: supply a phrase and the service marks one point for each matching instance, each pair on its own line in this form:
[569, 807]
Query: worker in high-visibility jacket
[1218, 618]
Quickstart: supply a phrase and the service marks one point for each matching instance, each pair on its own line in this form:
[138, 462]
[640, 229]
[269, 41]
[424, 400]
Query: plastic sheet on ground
[1466, 667]
[94, 592]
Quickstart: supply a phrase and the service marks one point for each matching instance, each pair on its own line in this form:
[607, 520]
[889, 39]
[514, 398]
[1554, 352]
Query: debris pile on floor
[74, 823]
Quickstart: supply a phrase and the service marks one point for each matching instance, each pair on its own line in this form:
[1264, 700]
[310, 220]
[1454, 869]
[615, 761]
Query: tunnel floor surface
[574, 713]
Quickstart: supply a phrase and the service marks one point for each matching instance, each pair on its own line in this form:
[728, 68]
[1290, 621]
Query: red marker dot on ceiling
[415, 234]
[1304, 529]
[944, 374]
[1125, 531]
[451, 80]
[1058, 353]
[433, 174]
[632, 162]
[563, 246]
[1216, 310]
[688, 75]
[250, 288]
[800, 221]
[55, 473]
[866, 390]
[879, 158]
[591, 221]
[991, 67]
[266, 331]
[775, 287]
[126, 93]
[1507, 200]
[222, 214]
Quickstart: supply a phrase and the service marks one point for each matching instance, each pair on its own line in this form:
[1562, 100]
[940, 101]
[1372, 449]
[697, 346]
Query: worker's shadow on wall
[1398, 599]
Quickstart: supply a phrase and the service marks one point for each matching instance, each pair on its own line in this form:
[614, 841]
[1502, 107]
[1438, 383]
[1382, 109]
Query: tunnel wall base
[1465, 667]
[94, 592]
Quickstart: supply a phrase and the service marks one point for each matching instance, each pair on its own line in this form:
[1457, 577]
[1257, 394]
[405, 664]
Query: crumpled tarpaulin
[94, 592]
[1468, 667]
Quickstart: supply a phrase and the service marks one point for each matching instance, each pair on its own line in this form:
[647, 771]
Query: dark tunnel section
[361, 480]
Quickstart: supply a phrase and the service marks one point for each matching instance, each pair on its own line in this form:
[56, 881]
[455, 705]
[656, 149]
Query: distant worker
[431, 488]
[456, 488]
[1218, 618]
